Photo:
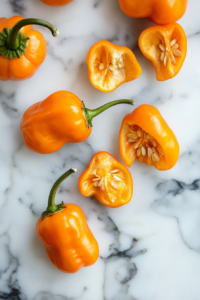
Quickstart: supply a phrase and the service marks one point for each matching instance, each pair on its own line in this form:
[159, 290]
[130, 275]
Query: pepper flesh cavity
[166, 47]
[110, 65]
[108, 180]
[157, 11]
[145, 135]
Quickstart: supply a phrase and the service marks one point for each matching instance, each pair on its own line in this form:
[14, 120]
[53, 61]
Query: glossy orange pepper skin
[112, 193]
[151, 121]
[61, 118]
[157, 11]
[110, 65]
[24, 67]
[56, 2]
[157, 36]
[68, 241]
[48, 125]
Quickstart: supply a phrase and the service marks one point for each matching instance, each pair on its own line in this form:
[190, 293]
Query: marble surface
[150, 248]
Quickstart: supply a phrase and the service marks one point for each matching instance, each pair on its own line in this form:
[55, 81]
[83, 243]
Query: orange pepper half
[63, 230]
[56, 2]
[145, 135]
[157, 11]
[109, 66]
[166, 47]
[22, 49]
[108, 180]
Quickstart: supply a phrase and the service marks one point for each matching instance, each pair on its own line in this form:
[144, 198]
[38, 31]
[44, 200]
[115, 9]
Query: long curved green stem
[91, 113]
[52, 207]
[13, 42]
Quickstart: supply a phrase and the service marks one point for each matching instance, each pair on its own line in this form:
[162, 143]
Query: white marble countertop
[150, 248]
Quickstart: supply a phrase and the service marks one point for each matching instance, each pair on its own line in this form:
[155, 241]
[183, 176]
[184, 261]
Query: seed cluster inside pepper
[169, 52]
[143, 143]
[115, 66]
[101, 180]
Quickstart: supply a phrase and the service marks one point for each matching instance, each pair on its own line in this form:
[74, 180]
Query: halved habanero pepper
[108, 180]
[22, 49]
[166, 47]
[63, 230]
[61, 118]
[157, 11]
[145, 135]
[56, 2]
[109, 66]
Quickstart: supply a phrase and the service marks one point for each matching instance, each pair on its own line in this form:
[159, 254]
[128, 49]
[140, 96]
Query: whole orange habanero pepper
[56, 2]
[166, 47]
[61, 118]
[108, 180]
[22, 49]
[109, 66]
[63, 230]
[157, 11]
[145, 135]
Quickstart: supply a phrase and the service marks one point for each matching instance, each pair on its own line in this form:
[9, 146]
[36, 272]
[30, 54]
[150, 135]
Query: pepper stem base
[21, 44]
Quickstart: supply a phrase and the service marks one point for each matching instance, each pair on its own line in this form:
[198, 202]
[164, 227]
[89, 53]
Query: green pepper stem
[52, 207]
[13, 42]
[91, 113]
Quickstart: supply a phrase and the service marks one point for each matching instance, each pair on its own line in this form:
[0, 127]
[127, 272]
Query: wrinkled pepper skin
[68, 241]
[24, 67]
[56, 2]
[157, 11]
[145, 135]
[166, 47]
[62, 118]
[110, 65]
[108, 180]
[48, 125]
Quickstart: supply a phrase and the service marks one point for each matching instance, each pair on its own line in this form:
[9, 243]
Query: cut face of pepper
[157, 11]
[146, 136]
[108, 180]
[110, 65]
[166, 47]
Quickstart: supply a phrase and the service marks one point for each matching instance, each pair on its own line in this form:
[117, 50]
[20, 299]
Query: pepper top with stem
[52, 208]
[12, 42]
[22, 49]
[61, 118]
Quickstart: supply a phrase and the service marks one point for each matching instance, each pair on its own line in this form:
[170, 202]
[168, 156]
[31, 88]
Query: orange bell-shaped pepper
[61, 118]
[145, 135]
[22, 49]
[166, 47]
[108, 180]
[56, 2]
[63, 230]
[109, 66]
[157, 11]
